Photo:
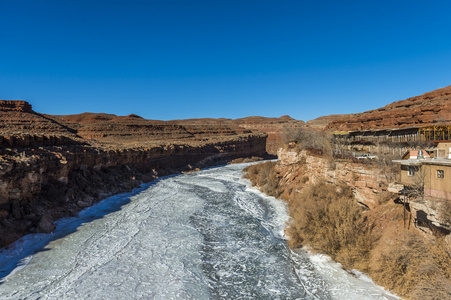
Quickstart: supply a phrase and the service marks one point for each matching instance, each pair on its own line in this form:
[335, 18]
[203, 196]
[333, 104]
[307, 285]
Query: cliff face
[15, 105]
[275, 128]
[424, 110]
[366, 182]
[53, 166]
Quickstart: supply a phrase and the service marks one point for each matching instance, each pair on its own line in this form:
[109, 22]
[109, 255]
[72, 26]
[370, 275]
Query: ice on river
[202, 235]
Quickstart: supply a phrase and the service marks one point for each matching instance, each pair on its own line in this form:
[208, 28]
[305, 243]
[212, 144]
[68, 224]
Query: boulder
[46, 224]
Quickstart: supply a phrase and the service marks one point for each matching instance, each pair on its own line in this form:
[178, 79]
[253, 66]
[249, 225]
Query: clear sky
[168, 59]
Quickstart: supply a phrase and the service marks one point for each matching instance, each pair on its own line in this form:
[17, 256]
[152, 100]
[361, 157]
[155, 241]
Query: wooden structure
[435, 133]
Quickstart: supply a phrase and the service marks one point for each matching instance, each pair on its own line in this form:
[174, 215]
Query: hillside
[428, 109]
[323, 121]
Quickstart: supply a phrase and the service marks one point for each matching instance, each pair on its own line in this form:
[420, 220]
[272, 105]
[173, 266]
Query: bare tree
[416, 188]
[310, 139]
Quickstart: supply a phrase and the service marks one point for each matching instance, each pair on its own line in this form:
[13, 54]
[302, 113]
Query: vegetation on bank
[326, 218]
[330, 221]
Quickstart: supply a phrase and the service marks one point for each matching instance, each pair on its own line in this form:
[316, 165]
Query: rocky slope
[323, 121]
[424, 110]
[53, 166]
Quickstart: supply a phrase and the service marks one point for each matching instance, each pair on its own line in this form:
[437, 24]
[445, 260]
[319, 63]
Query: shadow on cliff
[20, 253]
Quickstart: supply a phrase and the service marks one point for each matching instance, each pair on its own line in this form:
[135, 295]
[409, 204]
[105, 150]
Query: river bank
[374, 238]
[42, 184]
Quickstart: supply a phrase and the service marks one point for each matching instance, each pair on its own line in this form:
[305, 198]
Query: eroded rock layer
[53, 166]
[275, 128]
[15, 105]
[431, 108]
[366, 181]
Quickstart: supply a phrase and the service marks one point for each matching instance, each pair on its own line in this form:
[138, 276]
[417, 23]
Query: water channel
[200, 235]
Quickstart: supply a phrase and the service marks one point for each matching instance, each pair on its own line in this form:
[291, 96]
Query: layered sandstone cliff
[15, 105]
[367, 182]
[53, 166]
[431, 108]
[275, 128]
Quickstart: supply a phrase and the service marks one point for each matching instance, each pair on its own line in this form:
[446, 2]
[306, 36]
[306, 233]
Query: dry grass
[326, 218]
[413, 266]
[265, 177]
[329, 220]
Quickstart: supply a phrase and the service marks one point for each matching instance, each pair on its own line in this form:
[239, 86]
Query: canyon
[53, 166]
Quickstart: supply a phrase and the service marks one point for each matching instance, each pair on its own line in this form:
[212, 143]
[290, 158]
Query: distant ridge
[430, 108]
[322, 122]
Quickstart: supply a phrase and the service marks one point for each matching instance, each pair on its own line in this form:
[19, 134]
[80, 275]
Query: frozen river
[202, 235]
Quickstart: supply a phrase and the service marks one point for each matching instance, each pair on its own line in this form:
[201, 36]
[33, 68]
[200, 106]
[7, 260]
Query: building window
[410, 171]
[440, 174]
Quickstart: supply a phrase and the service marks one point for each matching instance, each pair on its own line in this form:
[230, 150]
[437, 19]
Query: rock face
[366, 182]
[15, 105]
[432, 108]
[53, 166]
[132, 129]
[276, 128]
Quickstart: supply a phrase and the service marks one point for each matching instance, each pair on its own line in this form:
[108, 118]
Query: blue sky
[189, 59]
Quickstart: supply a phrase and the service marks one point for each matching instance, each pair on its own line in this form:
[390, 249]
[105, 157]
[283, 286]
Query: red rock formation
[276, 128]
[424, 110]
[21, 127]
[15, 105]
[53, 166]
[366, 181]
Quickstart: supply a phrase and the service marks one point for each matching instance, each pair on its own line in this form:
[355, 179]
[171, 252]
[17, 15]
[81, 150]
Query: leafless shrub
[328, 219]
[309, 139]
[391, 171]
[416, 188]
[397, 267]
[304, 179]
[445, 211]
[414, 267]
[384, 197]
[265, 176]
